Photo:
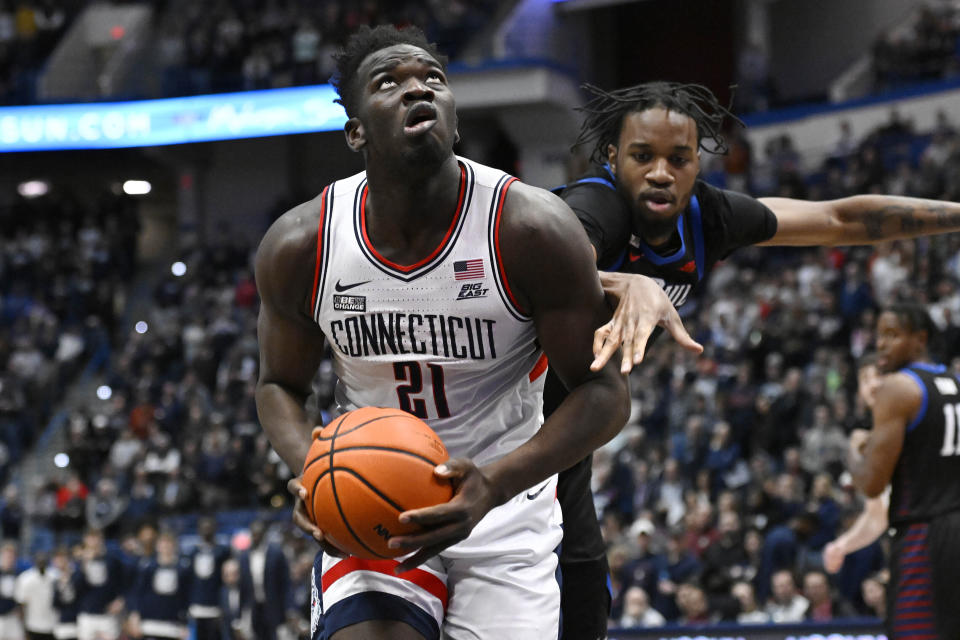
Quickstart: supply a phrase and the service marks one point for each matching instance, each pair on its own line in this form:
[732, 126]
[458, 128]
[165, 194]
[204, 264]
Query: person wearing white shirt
[786, 605]
[637, 611]
[33, 590]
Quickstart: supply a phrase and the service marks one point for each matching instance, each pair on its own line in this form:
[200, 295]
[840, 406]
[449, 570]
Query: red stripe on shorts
[423, 579]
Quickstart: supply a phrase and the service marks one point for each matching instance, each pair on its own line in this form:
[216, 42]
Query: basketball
[366, 468]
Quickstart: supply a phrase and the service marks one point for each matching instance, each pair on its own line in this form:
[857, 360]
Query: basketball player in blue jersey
[914, 446]
[441, 286]
[647, 212]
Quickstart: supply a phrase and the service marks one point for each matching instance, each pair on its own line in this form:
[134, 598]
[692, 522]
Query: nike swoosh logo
[346, 287]
[532, 495]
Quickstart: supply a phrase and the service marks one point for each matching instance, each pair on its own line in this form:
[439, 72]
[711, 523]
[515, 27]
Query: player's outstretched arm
[869, 525]
[642, 306]
[865, 219]
[873, 457]
[291, 345]
[550, 269]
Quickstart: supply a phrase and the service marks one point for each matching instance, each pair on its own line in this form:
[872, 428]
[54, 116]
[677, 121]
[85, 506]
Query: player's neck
[410, 199]
[663, 243]
[407, 206]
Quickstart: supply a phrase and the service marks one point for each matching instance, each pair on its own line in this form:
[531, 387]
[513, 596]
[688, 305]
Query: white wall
[814, 41]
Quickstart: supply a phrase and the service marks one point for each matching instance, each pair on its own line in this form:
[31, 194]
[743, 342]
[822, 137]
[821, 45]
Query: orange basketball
[366, 468]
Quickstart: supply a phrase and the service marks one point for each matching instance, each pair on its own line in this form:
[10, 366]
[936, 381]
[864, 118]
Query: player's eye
[435, 75]
[641, 157]
[386, 82]
[679, 160]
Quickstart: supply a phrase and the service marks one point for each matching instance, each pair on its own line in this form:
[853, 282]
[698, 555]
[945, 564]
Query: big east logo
[472, 290]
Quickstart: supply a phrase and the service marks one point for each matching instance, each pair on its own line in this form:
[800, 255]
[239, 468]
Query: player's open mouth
[658, 201]
[420, 119]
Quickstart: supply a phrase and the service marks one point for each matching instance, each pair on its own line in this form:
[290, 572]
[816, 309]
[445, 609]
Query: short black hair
[913, 316]
[367, 40]
[604, 113]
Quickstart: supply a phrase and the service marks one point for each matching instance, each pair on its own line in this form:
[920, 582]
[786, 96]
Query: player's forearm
[865, 477]
[868, 219]
[589, 417]
[868, 526]
[284, 420]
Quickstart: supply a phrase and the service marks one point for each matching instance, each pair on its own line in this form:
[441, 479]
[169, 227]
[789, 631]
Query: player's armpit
[897, 402]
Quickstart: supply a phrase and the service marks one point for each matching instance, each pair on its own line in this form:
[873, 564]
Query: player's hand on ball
[833, 556]
[642, 305]
[448, 523]
[302, 520]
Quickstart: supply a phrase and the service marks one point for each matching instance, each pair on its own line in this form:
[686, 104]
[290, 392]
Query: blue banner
[144, 123]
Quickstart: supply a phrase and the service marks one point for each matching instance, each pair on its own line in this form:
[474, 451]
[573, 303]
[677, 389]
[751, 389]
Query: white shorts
[97, 627]
[501, 582]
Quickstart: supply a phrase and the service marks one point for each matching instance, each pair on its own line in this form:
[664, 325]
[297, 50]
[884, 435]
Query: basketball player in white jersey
[441, 286]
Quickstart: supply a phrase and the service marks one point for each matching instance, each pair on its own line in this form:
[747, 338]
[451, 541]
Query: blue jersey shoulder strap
[604, 180]
[698, 248]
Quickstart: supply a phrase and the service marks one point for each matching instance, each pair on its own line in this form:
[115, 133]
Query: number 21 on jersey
[410, 375]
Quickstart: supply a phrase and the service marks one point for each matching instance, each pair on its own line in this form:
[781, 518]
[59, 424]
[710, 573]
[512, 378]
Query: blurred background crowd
[716, 501]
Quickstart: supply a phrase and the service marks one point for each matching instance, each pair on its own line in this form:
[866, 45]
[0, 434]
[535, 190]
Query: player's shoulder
[715, 200]
[901, 389]
[531, 210]
[288, 248]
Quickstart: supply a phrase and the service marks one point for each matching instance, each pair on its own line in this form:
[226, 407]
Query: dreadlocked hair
[604, 113]
[367, 40]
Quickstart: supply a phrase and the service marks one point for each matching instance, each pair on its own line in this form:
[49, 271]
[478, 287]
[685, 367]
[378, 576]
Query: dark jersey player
[646, 212]
[914, 446]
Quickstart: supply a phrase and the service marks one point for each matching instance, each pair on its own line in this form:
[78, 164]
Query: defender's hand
[303, 521]
[642, 305]
[448, 523]
[833, 555]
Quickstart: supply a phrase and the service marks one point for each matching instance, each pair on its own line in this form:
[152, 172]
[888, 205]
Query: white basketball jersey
[442, 338]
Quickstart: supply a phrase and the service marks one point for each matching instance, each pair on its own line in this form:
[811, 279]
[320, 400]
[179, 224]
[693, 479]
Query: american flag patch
[468, 269]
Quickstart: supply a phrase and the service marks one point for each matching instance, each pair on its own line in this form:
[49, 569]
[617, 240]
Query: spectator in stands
[786, 605]
[750, 612]
[875, 595]
[266, 571]
[637, 611]
[236, 604]
[71, 504]
[678, 567]
[158, 599]
[11, 627]
[34, 593]
[823, 606]
[206, 562]
[694, 606]
[104, 507]
[64, 595]
[99, 585]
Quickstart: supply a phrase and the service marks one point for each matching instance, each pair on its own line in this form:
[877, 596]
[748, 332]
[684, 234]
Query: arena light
[104, 392]
[178, 268]
[137, 187]
[61, 460]
[33, 188]
[141, 327]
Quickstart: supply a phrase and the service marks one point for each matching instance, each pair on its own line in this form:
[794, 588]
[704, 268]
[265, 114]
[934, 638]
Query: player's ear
[355, 133]
[612, 158]
[456, 136]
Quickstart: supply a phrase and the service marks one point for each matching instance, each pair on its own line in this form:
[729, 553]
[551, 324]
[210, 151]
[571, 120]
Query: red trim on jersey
[496, 247]
[539, 367]
[316, 271]
[423, 579]
[435, 252]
